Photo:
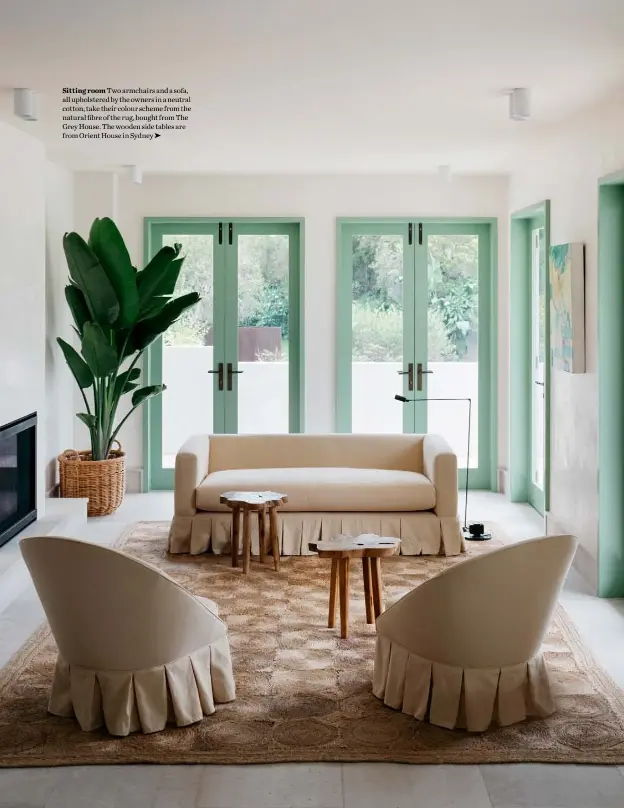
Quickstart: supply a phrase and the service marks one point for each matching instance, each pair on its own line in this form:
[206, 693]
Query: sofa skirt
[455, 697]
[179, 692]
[422, 533]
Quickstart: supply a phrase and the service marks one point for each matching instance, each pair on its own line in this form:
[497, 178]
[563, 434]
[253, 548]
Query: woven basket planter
[102, 482]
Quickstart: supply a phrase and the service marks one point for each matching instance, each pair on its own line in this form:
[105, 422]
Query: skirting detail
[180, 692]
[454, 697]
[422, 533]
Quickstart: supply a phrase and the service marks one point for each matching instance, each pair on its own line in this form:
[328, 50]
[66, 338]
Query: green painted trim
[610, 386]
[521, 225]
[547, 374]
[383, 220]
[225, 289]
[484, 477]
[494, 339]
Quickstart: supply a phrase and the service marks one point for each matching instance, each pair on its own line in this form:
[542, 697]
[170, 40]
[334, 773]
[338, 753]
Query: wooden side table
[248, 502]
[371, 550]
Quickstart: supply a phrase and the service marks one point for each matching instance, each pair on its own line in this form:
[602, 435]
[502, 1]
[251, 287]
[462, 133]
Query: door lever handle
[410, 375]
[419, 374]
[230, 374]
[219, 372]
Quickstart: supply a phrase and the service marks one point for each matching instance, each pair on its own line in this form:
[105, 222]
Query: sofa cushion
[400, 452]
[324, 489]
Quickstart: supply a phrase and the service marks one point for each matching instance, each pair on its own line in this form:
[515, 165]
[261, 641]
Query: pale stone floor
[600, 622]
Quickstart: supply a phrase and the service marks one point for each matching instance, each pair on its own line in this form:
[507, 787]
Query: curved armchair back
[109, 611]
[487, 612]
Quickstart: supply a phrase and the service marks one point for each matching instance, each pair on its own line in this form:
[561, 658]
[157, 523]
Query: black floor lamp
[476, 531]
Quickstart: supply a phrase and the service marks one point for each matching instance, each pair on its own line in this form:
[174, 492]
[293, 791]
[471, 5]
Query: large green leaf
[78, 306]
[87, 419]
[87, 273]
[77, 365]
[126, 381]
[107, 243]
[97, 350]
[155, 275]
[148, 330]
[143, 393]
[164, 290]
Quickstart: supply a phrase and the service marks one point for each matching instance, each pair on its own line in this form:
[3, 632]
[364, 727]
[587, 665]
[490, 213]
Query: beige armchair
[463, 649]
[136, 650]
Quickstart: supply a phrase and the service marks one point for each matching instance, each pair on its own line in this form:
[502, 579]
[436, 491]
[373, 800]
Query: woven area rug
[303, 694]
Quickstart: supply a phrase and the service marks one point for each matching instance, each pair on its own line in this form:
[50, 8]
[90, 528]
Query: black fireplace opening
[18, 476]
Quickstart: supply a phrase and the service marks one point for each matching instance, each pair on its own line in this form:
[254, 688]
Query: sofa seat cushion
[324, 489]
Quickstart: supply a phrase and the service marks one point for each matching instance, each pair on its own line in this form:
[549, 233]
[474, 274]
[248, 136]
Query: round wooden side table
[248, 502]
[371, 549]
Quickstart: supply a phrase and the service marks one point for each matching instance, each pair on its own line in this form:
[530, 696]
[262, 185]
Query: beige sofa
[391, 485]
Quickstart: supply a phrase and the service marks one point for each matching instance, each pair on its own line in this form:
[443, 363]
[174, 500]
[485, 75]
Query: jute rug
[303, 694]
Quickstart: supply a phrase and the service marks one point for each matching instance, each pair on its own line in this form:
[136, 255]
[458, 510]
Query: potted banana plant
[118, 312]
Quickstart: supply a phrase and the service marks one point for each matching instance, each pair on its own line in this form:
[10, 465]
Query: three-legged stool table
[248, 502]
[371, 549]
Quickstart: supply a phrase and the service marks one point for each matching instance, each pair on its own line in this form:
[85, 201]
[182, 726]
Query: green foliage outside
[452, 323]
[377, 294]
[263, 267]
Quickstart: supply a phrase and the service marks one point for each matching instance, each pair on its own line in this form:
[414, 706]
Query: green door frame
[521, 488]
[226, 337]
[487, 228]
[610, 386]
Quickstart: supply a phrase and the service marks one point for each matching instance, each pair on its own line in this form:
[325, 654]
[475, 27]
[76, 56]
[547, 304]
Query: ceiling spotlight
[136, 175]
[519, 104]
[25, 104]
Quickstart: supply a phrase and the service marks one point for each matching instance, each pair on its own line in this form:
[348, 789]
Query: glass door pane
[538, 351]
[381, 335]
[188, 350]
[453, 340]
[262, 363]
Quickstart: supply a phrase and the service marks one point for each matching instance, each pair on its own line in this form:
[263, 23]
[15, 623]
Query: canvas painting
[567, 307]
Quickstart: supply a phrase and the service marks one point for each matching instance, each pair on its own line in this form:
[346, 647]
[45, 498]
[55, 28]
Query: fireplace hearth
[18, 464]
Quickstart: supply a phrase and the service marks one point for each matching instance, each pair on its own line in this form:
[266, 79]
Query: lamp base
[475, 532]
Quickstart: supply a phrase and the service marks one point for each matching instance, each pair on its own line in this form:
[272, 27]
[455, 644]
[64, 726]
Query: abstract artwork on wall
[567, 307]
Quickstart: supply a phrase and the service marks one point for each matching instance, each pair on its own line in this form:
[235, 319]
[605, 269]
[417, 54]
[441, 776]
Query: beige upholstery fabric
[325, 489]
[399, 452]
[136, 650]
[420, 533]
[463, 649]
[410, 480]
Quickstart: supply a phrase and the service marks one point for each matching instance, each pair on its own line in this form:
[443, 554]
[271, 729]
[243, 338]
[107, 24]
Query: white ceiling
[316, 85]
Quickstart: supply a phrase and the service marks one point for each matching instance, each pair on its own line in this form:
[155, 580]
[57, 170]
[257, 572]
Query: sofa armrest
[191, 466]
[440, 466]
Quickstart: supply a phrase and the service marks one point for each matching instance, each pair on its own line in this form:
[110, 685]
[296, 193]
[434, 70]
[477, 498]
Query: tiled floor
[324, 785]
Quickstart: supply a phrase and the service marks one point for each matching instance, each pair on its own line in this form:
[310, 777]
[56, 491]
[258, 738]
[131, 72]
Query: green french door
[538, 315]
[232, 363]
[414, 319]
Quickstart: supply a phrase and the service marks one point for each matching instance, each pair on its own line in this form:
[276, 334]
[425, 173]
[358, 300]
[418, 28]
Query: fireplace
[18, 465]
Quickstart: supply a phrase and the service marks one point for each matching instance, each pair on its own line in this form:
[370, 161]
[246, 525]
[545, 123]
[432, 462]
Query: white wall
[564, 165]
[59, 383]
[318, 199]
[22, 285]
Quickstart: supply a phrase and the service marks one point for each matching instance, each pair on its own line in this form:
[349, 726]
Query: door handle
[410, 375]
[219, 372]
[541, 384]
[419, 374]
[230, 373]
